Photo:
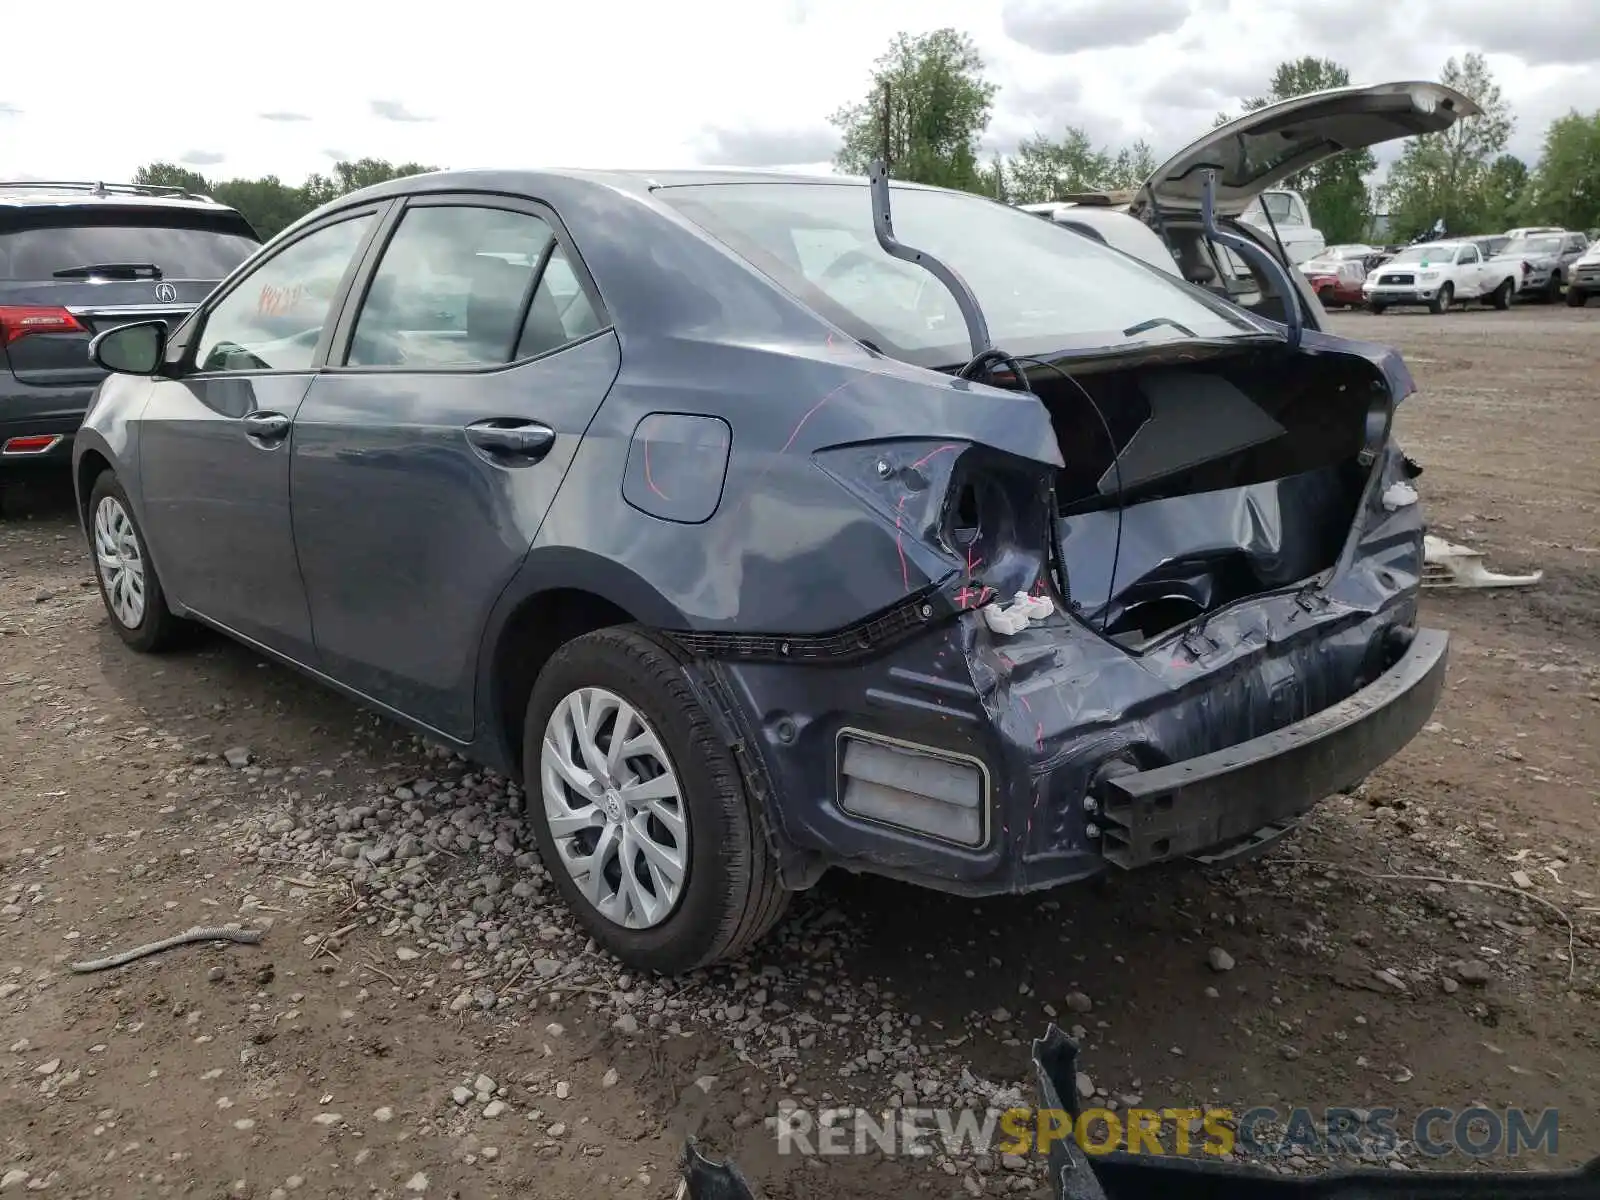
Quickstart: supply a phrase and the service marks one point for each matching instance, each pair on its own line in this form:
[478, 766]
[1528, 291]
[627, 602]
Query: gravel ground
[422, 1018]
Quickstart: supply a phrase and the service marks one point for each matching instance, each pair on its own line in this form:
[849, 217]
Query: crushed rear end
[1232, 564]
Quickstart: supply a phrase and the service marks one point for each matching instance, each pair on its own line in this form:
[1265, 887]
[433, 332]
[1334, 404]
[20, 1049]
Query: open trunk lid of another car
[1264, 147]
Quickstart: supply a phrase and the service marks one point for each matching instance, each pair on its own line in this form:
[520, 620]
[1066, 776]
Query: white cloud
[637, 83]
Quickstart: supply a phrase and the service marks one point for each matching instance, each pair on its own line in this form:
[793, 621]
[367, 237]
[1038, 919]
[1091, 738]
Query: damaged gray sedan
[760, 525]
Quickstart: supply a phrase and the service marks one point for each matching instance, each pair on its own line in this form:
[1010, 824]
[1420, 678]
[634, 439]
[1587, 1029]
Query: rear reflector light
[18, 322]
[33, 443]
[914, 788]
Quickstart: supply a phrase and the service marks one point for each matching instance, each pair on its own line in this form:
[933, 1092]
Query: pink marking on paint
[648, 478]
[1025, 703]
[811, 412]
[1038, 736]
[972, 563]
[921, 462]
[1005, 660]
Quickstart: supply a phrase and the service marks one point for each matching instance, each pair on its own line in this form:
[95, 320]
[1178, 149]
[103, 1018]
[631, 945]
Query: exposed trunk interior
[1229, 478]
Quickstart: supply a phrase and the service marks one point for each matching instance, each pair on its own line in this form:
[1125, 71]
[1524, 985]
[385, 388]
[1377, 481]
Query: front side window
[273, 319]
[1040, 292]
[451, 288]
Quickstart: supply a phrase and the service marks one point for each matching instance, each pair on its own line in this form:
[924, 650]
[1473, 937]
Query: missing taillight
[20, 321]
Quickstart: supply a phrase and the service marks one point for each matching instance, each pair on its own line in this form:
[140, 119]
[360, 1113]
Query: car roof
[638, 181]
[35, 193]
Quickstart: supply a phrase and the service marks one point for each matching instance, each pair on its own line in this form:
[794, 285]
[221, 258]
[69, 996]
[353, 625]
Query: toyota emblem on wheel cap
[166, 293]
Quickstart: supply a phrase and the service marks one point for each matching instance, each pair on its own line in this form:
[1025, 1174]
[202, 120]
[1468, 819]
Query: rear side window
[48, 243]
[1469, 254]
[455, 288]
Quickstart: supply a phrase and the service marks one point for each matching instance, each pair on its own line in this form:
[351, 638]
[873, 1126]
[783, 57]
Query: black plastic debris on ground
[1122, 1176]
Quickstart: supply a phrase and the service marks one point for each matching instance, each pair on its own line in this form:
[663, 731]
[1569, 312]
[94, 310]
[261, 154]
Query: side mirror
[136, 349]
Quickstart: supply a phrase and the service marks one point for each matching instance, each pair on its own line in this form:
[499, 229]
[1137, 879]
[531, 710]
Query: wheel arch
[559, 594]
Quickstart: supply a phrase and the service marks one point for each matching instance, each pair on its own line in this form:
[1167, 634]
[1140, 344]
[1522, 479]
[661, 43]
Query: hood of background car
[1264, 147]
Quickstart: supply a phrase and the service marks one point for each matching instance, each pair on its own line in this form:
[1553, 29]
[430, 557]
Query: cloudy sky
[289, 87]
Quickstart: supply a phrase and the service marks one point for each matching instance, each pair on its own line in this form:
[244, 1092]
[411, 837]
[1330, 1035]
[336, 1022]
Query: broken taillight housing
[961, 513]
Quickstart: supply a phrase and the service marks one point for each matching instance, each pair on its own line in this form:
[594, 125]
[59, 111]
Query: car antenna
[883, 227]
[1252, 253]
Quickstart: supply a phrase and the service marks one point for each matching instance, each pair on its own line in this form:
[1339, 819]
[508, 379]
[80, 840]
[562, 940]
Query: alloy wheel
[615, 808]
[121, 565]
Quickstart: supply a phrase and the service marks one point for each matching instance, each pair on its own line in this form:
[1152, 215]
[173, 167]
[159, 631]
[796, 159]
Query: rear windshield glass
[1536, 245]
[1040, 292]
[36, 244]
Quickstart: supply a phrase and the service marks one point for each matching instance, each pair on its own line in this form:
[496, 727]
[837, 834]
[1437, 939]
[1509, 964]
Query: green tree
[1333, 188]
[1565, 188]
[930, 102]
[1445, 174]
[267, 203]
[1048, 169]
[164, 174]
[1130, 166]
[1505, 193]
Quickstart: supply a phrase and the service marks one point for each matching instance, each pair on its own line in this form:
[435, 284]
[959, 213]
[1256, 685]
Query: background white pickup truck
[1301, 240]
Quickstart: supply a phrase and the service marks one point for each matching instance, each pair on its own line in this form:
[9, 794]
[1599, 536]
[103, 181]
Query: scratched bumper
[1231, 795]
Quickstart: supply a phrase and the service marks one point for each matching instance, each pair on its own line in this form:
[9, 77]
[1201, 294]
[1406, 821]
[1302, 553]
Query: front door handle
[266, 428]
[510, 440]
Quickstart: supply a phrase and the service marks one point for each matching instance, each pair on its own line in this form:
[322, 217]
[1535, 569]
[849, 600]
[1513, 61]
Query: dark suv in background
[79, 258]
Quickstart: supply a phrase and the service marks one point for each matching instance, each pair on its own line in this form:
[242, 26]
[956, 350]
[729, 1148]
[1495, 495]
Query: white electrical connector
[1399, 495]
[1015, 618]
[1004, 621]
[1037, 608]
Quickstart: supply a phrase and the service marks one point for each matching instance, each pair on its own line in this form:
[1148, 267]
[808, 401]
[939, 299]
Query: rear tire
[129, 585]
[728, 895]
[1553, 292]
[1575, 298]
[1440, 304]
[1501, 296]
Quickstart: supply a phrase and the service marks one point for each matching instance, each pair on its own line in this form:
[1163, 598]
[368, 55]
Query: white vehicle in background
[1161, 221]
[1530, 230]
[1440, 274]
[1290, 220]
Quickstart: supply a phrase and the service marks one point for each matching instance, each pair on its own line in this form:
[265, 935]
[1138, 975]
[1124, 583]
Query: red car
[1336, 280]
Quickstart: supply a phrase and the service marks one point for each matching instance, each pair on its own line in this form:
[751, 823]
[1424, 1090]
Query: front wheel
[1501, 296]
[1373, 306]
[129, 585]
[1440, 304]
[641, 815]
[1553, 293]
[1575, 298]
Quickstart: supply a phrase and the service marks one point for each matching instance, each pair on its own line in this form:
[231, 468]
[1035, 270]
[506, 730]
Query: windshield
[1537, 245]
[179, 245]
[1040, 291]
[1434, 252]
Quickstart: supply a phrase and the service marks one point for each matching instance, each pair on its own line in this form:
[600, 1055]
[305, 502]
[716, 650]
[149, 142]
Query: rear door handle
[512, 441]
[267, 428]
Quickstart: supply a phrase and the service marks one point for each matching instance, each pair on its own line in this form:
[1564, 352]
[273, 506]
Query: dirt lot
[410, 947]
